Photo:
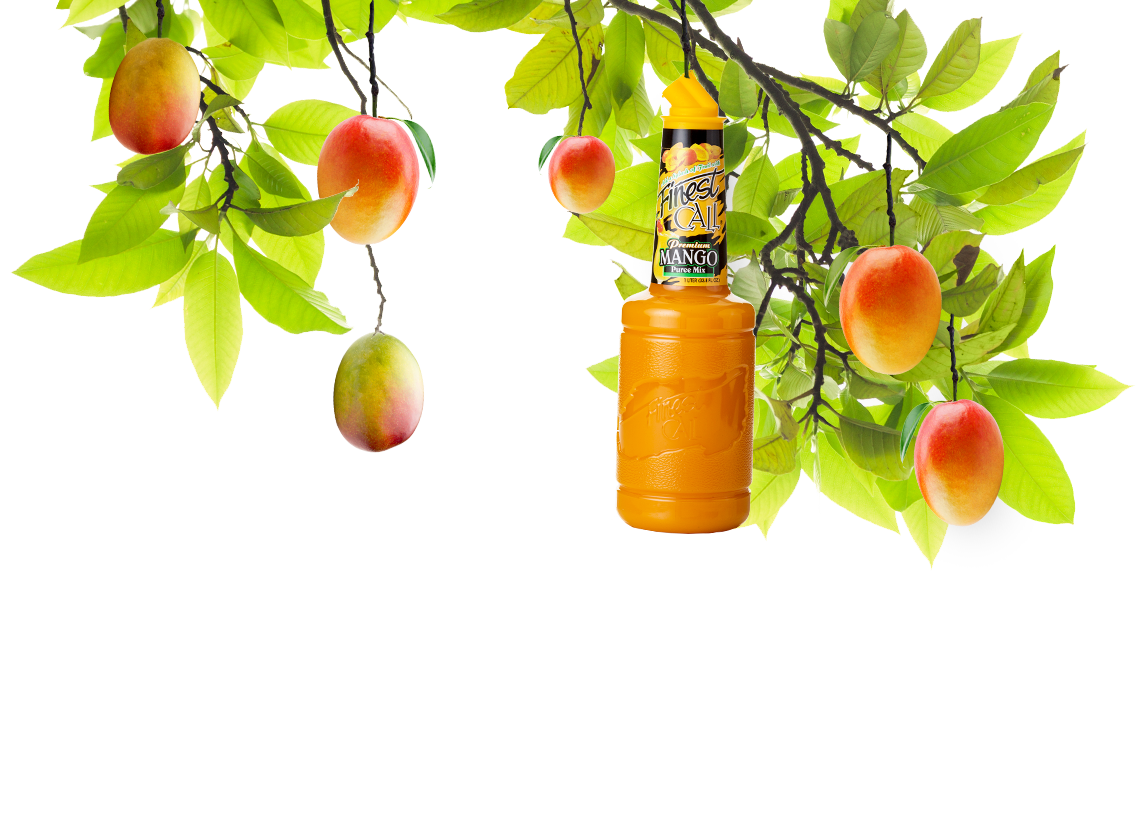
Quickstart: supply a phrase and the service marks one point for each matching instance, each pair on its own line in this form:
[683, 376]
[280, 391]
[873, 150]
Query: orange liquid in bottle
[685, 385]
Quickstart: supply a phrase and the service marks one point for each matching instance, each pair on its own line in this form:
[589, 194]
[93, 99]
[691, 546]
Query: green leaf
[841, 9]
[627, 285]
[768, 493]
[747, 233]
[206, 218]
[875, 229]
[254, 26]
[302, 218]
[836, 270]
[633, 199]
[994, 58]
[599, 113]
[934, 219]
[617, 140]
[971, 295]
[848, 486]
[955, 63]
[606, 372]
[83, 10]
[219, 102]
[875, 38]
[874, 448]
[905, 58]
[780, 416]
[302, 253]
[141, 267]
[738, 141]
[212, 316]
[232, 62]
[739, 93]
[423, 142]
[774, 454]
[944, 249]
[864, 388]
[270, 174]
[300, 128]
[127, 216]
[281, 297]
[309, 54]
[248, 193]
[864, 9]
[1038, 293]
[105, 61]
[150, 171]
[986, 151]
[548, 148]
[855, 198]
[910, 427]
[839, 38]
[1000, 219]
[936, 363]
[636, 114]
[196, 195]
[586, 14]
[102, 124]
[1048, 388]
[175, 286]
[663, 50]
[750, 283]
[625, 56]
[354, 13]
[547, 77]
[1034, 481]
[1028, 179]
[923, 524]
[923, 133]
[301, 20]
[755, 190]
[487, 15]
[1043, 85]
[632, 239]
[220, 114]
[1003, 307]
[425, 9]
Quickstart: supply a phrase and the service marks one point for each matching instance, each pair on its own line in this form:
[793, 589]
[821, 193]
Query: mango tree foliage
[222, 217]
[989, 177]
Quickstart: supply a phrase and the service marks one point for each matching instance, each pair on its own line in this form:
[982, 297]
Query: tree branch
[839, 100]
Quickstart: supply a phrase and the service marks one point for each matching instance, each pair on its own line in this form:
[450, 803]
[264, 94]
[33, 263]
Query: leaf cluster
[818, 410]
[244, 227]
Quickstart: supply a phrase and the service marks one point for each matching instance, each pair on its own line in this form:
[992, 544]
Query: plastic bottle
[684, 439]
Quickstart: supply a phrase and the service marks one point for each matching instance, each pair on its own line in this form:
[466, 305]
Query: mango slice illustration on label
[689, 244]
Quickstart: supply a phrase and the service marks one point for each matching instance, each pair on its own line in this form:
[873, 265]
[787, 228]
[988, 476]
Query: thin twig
[375, 94]
[161, 13]
[890, 196]
[581, 72]
[372, 55]
[953, 361]
[123, 16]
[383, 84]
[379, 287]
[331, 34]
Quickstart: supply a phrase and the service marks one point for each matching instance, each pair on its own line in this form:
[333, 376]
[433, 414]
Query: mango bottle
[684, 438]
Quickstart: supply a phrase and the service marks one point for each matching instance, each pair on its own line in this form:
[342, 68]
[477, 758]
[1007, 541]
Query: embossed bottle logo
[660, 417]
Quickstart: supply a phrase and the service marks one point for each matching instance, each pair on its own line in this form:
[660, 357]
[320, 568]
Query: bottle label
[689, 245]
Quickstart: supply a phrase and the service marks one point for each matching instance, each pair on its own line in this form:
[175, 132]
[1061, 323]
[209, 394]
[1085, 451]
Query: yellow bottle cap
[690, 106]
